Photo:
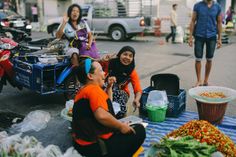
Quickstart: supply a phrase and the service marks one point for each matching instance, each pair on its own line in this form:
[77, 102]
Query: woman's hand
[65, 19]
[126, 129]
[106, 119]
[88, 46]
[60, 32]
[136, 104]
[107, 57]
[111, 80]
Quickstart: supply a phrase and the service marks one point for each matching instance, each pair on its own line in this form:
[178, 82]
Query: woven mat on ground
[156, 130]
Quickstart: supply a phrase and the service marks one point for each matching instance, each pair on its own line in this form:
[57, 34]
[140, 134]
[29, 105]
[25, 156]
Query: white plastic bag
[35, 120]
[116, 107]
[71, 152]
[157, 98]
[69, 104]
[50, 151]
[179, 38]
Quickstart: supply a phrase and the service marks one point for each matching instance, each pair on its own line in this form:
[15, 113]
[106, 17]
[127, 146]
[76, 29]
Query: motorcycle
[8, 50]
[15, 34]
[6, 67]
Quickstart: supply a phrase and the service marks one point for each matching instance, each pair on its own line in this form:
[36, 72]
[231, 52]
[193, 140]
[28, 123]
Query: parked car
[11, 19]
[103, 22]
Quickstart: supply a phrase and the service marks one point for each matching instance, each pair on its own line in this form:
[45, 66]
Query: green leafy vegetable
[183, 147]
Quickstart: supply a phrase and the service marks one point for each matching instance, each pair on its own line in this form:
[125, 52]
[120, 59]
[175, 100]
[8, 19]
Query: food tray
[131, 120]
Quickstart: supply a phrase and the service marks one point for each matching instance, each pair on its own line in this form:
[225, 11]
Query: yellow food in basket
[213, 94]
[69, 113]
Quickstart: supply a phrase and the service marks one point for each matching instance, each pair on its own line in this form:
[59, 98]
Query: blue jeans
[199, 46]
[172, 34]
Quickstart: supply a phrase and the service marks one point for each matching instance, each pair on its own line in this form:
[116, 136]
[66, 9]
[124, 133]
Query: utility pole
[158, 9]
[41, 14]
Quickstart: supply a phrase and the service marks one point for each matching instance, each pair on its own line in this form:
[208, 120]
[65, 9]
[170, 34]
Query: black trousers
[35, 18]
[172, 34]
[119, 145]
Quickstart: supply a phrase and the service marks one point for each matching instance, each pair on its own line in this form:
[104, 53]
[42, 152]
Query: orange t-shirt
[97, 98]
[134, 79]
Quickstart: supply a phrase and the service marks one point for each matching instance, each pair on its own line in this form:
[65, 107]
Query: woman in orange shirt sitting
[123, 69]
[95, 130]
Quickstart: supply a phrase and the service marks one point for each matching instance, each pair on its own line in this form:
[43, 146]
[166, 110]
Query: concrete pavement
[155, 56]
[223, 70]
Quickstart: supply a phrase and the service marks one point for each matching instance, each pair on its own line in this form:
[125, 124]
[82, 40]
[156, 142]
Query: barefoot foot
[198, 84]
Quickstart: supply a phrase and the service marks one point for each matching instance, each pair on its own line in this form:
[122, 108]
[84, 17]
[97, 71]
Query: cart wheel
[71, 87]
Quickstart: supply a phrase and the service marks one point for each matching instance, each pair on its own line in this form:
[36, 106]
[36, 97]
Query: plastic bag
[157, 98]
[71, 152]
[179, 38]
[69, 104]
[35, 120]
[50, 151]
[3, 134]
[116, 107]
[57, 45]
[7, 142]
[29, 146]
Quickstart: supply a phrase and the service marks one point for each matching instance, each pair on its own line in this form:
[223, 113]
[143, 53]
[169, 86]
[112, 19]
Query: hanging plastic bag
[157, 98]
[35, 120]
[179, 38]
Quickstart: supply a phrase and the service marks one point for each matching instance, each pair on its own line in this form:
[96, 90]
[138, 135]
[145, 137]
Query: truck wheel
[54, 30]
[117, 33]
[71, 86]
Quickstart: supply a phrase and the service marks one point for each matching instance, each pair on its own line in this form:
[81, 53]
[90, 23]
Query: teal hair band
[88, 63]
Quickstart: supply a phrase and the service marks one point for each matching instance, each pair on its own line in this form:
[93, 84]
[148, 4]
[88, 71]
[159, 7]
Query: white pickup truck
[102, 22]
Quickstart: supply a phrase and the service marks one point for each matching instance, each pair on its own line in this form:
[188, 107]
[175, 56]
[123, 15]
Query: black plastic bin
[167, 82]
[176, 96]
[177, 104]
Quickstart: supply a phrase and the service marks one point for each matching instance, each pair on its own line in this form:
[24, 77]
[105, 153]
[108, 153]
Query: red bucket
[213, 113]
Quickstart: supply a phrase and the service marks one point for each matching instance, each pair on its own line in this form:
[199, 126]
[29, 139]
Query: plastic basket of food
[212, 102]
[66, 114]
[212, 94]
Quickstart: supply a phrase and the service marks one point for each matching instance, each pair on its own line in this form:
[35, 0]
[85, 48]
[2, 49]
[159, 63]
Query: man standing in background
[205, 25]
[34, 10]
[173, 22]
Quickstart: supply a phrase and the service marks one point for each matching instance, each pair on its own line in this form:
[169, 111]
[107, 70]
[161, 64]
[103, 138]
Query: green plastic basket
[156, 114]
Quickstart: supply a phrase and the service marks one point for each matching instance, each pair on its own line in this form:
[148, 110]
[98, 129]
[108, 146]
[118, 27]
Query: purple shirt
[206, 20]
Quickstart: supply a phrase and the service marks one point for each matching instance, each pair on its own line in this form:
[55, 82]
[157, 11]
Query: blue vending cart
[42, 78]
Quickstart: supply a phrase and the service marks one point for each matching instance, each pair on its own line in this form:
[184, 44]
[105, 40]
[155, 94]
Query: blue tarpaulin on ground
[156, 130]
